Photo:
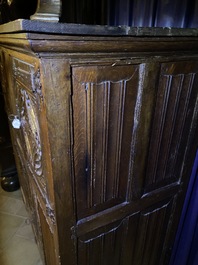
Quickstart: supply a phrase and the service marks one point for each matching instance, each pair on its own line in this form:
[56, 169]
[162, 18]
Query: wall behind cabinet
[137, 13]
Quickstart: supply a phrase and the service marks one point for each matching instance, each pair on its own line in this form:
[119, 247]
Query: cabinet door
[134, 127]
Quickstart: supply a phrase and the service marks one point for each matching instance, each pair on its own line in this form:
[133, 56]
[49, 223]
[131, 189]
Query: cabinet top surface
[22, 25]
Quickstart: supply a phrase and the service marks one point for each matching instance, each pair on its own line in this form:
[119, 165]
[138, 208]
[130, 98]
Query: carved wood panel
[27, 99]
[176, 98]
[132, 124]
[104, 106]
[136, 240]
[28, 107]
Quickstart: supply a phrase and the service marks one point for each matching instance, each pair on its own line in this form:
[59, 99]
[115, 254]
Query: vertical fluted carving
[172, 107]
[103, 122]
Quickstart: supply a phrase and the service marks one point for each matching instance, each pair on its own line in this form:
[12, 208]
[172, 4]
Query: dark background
[137, 13]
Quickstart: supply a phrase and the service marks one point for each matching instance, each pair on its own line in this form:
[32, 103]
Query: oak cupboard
[107, 135]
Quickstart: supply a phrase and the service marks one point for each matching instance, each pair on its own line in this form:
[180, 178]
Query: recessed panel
[104, 101]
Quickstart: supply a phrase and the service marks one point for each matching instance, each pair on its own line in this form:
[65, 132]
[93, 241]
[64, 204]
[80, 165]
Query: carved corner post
[48, 10]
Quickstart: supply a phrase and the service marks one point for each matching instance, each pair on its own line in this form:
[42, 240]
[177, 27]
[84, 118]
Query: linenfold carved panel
[104, 105]
[138, 238]
[176, 98]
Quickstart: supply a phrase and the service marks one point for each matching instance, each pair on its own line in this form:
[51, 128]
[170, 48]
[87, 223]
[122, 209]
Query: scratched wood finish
[104, 97]
[107, 141]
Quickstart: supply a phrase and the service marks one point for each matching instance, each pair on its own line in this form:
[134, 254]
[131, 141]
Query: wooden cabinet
[107, 137]
[130, 138]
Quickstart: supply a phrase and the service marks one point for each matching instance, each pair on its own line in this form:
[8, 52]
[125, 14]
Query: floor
[17, 244]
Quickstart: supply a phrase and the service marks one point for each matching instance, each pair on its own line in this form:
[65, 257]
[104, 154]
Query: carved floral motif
[31, 132]
[51, 214]
[28, 94]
